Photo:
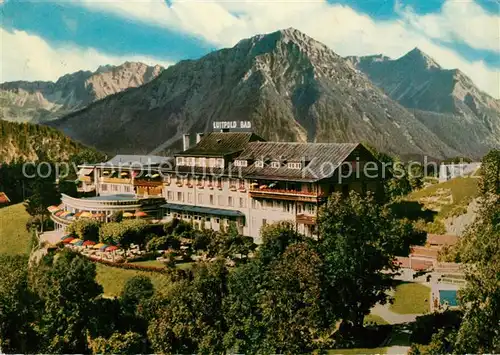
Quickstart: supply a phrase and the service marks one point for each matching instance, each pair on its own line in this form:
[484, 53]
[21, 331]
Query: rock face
[288, 85]
[44, 100]
[446, 101]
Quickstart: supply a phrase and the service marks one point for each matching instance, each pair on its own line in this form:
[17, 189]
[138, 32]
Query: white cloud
[29, 57]
[458, 20]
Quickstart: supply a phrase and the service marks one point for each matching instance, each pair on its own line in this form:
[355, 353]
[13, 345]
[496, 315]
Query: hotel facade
[229, 177]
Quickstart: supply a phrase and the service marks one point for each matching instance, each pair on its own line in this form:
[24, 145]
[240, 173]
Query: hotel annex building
[226, 177]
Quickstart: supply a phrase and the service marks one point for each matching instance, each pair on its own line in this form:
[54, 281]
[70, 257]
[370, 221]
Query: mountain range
[46, 100]
[294, 88]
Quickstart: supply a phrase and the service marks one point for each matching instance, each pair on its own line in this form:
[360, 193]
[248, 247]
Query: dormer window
[259, 164]
[297, 166]
[275, 164]
[242, 163]
[180, 161]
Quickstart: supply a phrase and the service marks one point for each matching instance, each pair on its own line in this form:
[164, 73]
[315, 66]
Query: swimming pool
[449, 297]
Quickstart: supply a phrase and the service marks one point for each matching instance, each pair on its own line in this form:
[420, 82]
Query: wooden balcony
[115, 180]
[148, 183]
[305, 219]
[290, 195]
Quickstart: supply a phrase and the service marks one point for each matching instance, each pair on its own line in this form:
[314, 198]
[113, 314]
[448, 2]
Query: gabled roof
[219, 144]
[319, 160]
[4, 199]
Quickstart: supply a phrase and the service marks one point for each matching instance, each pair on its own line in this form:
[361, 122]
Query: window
[114, 188]
[179, 197]
[180, 161]
[286, 206]
[220, 200]
[230, 201]
[241, 184]
[220, 163]
[168, 212]
[275, 164]
[217, 220]
[276, 204]
[219, 183]
[242, 202]
[299, 209]
[211, 199]
[259, 164]
[295, 165]
[190, 197]
[240, 163]
[200, 198]
[233, 182]
[104, 187]
[310, 208]
[170, 195]
[264, 222]
[127, 188]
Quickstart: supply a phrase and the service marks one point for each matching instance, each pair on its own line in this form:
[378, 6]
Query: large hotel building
[225, 177]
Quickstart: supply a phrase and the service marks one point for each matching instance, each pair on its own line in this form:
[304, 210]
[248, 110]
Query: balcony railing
[281, 194]
[116, 180]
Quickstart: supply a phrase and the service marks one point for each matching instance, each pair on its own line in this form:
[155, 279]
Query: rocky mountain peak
[419, 59]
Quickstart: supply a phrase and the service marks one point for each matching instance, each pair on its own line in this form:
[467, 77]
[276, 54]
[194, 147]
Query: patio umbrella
[124, 174]
[78, 244]
[103, 248]
[98, 215]
[74, 241]
[88, 243]
[262, 187]
[141, 214]
[112, 248]
[98, 246]
[128, 214]
[78, 214]
[66, 236]
[272, 185]
[86, 215]
[154, 176]
[68, 240]
[57, 214]
[53, 209]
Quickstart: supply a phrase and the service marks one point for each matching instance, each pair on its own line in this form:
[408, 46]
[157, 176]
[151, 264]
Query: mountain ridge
[442, 99]
[290, 86]
[40, 101]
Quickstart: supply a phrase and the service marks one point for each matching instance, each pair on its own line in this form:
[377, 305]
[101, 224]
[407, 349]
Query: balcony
[280, 194]
[305, 219]
[111, 180]
[148, 183]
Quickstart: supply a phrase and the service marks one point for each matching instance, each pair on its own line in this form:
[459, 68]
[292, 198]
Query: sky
[43, 40]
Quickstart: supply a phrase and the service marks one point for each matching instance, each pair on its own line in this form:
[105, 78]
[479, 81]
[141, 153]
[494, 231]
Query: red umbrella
[88, 242]
[68, 240]
[141, 214]
[112, 248]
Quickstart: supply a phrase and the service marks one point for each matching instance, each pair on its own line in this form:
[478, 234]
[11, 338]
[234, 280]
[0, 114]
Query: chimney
[185, 141]
[198, 137]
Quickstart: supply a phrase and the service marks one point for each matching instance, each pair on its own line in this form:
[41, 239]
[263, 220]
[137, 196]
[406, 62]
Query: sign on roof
[232, 124]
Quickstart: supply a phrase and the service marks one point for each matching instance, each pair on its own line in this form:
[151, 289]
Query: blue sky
[42, 40]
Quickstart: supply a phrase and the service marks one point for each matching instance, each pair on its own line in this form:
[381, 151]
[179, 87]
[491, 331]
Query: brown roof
[437, 239]
[319, 160]
[221, 144]
[3, 198]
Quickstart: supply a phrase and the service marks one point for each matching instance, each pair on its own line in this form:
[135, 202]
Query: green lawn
[113, 279]
[411, 298]
[373, 318]
[154, 263]
[14, 238]
[437, 197]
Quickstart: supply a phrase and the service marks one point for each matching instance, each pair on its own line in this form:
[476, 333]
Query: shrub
[85, 229]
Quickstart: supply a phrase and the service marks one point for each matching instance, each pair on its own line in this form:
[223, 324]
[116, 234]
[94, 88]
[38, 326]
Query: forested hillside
[31, 142]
